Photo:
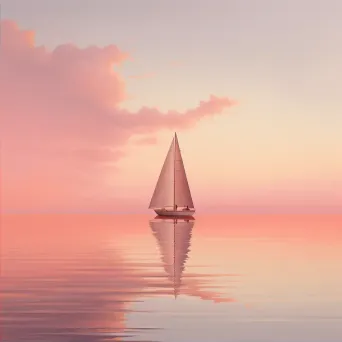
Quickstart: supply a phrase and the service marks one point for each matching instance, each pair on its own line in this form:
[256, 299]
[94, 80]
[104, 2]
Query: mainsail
[172, 187]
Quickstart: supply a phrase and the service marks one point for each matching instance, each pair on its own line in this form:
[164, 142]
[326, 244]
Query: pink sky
[74, 137]
[62, 125]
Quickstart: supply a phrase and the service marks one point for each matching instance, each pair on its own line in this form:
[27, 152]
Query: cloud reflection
[61, 283]
[70, 277]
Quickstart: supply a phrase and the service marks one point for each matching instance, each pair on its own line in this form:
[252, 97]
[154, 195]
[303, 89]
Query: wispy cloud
[148, 140]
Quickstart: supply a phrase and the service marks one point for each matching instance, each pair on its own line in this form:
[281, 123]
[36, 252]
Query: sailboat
[172, 196]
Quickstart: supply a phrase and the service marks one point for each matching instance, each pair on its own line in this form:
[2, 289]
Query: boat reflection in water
[173, 236]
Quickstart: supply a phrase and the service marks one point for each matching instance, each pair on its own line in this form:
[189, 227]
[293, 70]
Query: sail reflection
[173, 236]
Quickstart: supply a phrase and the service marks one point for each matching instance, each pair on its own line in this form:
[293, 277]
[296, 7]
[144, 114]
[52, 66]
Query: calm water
[132, 278]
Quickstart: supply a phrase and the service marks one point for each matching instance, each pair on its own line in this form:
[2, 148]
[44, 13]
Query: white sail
[172, 187]
[163, 195]
[182, 190]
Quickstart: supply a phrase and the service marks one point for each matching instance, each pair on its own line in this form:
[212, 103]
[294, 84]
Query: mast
[174, 171]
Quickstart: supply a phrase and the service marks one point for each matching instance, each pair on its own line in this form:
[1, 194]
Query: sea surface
[252, 278]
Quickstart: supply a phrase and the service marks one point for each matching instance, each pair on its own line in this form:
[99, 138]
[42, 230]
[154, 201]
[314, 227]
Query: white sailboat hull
[175, 213]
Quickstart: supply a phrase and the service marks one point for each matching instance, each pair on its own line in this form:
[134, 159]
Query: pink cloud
[143, 76]
[62, 124]
[149, 140]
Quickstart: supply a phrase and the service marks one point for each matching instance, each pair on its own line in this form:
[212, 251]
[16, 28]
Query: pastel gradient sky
[251, 87]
